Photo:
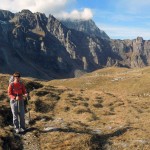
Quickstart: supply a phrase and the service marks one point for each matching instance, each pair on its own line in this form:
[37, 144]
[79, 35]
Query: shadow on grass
[102, 140]
[12, 143]
[6, 114]
[99, 141]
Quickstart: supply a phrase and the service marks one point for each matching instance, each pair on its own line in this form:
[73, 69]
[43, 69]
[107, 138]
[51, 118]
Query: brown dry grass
[106, 109]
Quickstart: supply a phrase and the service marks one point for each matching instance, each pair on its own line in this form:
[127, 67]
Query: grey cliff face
[132, 53]
[45, 48]
[86, 26]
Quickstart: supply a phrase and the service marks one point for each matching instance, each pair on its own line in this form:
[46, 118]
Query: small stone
[50, 129]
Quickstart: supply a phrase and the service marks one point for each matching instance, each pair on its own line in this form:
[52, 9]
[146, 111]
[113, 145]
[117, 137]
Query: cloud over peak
[84, 14]
[34, 5]
[55, 7]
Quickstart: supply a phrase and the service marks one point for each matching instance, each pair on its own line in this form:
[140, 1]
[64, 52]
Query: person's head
[16, 76]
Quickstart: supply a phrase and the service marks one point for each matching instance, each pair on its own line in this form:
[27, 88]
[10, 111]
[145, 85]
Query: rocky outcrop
[86, 26]
[43, 47]
[132, 53]
[5, 15]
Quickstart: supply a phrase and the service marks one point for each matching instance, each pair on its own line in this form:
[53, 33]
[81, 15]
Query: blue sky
[120, 19]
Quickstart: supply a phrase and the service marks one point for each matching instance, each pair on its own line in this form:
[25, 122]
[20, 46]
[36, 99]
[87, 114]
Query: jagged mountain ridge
[86, 26]
[43, 47]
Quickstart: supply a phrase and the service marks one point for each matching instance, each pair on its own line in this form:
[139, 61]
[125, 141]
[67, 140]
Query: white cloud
[85, 14]
[123, 32]
[45, 6]
[55, 7]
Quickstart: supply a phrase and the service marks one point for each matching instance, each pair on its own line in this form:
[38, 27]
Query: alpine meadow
[68, 84]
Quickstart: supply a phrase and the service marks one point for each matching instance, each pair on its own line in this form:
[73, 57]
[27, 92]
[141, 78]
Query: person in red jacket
[16, 91]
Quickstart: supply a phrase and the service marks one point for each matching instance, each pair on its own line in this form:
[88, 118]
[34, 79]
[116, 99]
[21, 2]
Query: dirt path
[30, 141]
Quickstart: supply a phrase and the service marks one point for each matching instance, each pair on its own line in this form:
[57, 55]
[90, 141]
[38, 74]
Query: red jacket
[16, 89]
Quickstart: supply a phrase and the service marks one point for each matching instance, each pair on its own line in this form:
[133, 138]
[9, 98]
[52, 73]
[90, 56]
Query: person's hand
[17, 97]
[26, 95]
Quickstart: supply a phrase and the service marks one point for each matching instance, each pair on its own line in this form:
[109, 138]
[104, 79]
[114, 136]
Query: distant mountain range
[46, 48]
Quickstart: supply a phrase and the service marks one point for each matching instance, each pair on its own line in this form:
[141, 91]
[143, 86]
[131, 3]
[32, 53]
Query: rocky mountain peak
[26, 11]
[26, 19]
[139, 40]
[86, 26]
[5, 15]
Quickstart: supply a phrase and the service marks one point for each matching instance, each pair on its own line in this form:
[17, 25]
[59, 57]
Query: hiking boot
[17, 131]
[22, 129]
